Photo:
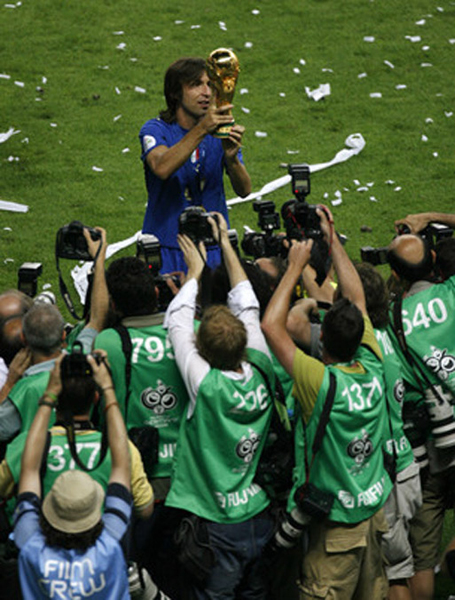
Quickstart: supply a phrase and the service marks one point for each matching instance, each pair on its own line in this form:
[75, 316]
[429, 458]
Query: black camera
[312, 501]
[265, 243]
[75, 364]
[193, 222]
[148, 249]
[374, 256]
[28, 277]
[71, 243]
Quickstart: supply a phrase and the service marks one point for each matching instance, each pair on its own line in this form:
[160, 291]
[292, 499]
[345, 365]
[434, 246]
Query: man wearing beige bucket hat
[70, 549]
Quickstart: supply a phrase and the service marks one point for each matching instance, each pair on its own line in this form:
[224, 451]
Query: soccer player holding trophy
[187, 149]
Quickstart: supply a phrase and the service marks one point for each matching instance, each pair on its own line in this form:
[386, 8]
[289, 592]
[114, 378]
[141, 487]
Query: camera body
[312, 501]
[75, 364]
[71, 243]
[193, 222]
[264, 243]
[374, 256]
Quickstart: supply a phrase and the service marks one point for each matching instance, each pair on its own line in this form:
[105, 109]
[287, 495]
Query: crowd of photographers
[274, 428]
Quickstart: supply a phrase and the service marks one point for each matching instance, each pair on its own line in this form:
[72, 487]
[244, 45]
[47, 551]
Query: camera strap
[322, 425]
[397, 328]
[70, 426]
[127, 349]
[64, 288]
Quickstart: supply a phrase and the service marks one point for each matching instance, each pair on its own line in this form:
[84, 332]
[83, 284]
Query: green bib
[158, 396]
[220, 446]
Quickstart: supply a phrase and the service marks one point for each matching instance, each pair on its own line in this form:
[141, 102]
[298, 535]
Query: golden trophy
[223, 70]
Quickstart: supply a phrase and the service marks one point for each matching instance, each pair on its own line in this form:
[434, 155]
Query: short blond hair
[221, 338]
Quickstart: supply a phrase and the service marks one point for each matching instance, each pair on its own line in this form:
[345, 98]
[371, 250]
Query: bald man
[427, 316]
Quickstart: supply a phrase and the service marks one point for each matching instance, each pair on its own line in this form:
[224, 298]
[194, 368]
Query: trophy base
[223, 131]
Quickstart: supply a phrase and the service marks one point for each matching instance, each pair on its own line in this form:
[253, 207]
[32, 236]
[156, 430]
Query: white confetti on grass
[121, 46]
[97, 169]
[116, 118]
[195, 27]
[421, 22]
[389, 64]
[157, 38]
[362, 75]
[248, 44]
[4, 76]
[243, 91]
[255, 11]
[448, 114]
[401, 86]
[296, 70]
[376, 95]
[118, 33]
[413, 38]
[426, 65]
[260, 134]
[369, 38]
[140, 90]
[117, 90]
[424, 138]
[19, 84]
[245, 110]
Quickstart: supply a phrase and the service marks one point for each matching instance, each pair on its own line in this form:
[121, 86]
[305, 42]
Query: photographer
[44, 336]
[71, 547]
[345, 483]
[423, 321]
[151, 394]
[226, 426]
[79, 393]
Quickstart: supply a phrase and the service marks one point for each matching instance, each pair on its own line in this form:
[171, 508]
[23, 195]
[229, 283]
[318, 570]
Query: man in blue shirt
[184, 163]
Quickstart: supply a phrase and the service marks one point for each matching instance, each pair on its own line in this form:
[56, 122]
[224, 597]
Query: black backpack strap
[127, 348]
[322, 424]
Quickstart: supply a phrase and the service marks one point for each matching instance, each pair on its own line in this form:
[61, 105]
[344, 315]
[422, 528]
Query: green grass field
[69, 79]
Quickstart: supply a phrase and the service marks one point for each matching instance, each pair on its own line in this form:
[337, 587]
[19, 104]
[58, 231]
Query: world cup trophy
[223, 71]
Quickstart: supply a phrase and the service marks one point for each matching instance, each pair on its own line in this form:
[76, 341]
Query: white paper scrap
[336, 202]
[140, 90]
[302, 61]
[125, 150]
[296, 70]
[7, 229]
[362, 188]
[373, 199]
[248, 44]
[245, 110]
[397, 189]
[424, 138]
[376, 95]
[5, 136]
[327, 70]
[389, 64]
[117, 117]
[19, 84]
[243, 91]
[4, 76]
[362, 75]
[318, 93]
[401, 86]
[43, 79]
[426, 65]
[13, 206]
[369, 38]
[260, 134]
[80, 272]
[413, 38]
[421, 22]
[13, 158]
[118, 32]
[255, 11]
[97, 169]
[117, 91]
[195, 27]
[53, 125]
[435, 154]
[429, 120]
[282, 95]
[157, 38]
[179, 22]
[448, 114]
[354, 143]
[121, 46]
[425, 48]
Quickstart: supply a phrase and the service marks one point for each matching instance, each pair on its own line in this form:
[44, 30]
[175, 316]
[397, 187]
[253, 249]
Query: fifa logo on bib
[247, 446]
[360, 448]
[441, 363]
[160, 399]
